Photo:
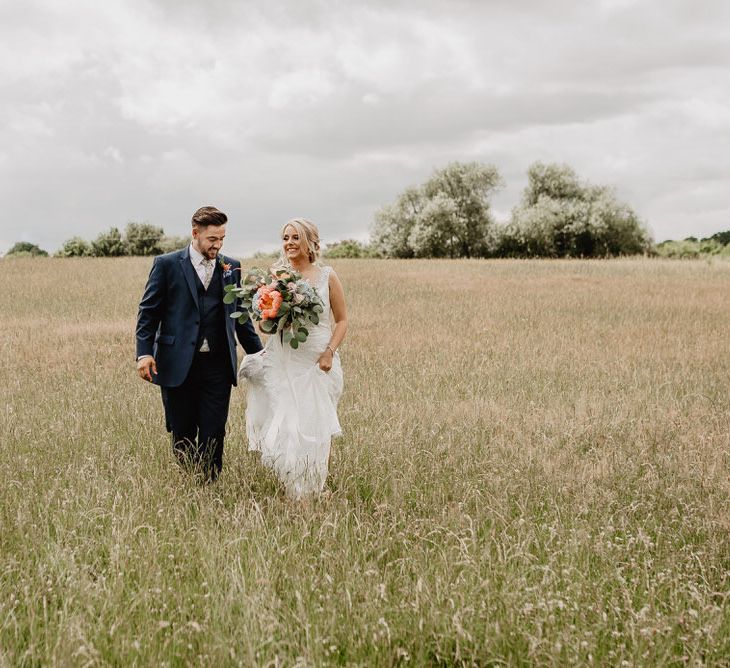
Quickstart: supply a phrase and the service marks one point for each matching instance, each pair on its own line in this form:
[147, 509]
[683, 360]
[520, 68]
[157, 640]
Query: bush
[143, 239]
[75, 247]
[172, 243]
[560, 217]
[543, 229]
[26, 249]
[109, 244]
[692, 248]
[722, 237]
[559, 182]
[348, 248]
[139, 239]
[448, 216]
[678, 249]
[394, 222]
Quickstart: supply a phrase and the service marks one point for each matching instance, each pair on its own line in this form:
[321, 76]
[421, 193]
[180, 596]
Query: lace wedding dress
[291, 413]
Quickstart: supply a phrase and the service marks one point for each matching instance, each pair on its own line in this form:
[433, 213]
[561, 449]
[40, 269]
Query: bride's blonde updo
[308, 235]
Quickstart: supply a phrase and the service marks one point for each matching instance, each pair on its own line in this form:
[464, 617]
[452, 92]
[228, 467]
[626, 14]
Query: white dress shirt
[197, 261]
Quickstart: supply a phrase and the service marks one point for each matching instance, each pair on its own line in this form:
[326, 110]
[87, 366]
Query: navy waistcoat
[212, 314]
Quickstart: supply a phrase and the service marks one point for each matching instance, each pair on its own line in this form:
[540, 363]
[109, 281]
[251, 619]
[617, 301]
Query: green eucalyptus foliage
[291, 318]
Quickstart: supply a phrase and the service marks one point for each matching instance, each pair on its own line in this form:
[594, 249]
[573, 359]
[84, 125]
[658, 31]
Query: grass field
[534, 470]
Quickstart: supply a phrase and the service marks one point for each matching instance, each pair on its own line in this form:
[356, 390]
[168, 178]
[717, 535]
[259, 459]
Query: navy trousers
[196, 413]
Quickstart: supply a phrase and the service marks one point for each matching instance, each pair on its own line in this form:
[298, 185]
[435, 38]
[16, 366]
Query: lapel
[189, 273]
[221, 260]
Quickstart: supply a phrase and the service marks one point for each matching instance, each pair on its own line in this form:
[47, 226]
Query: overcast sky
[145, 110]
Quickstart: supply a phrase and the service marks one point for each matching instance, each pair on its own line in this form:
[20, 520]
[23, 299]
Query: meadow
[534, 470]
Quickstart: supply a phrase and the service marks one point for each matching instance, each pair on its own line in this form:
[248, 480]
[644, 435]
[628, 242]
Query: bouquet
[281, 300]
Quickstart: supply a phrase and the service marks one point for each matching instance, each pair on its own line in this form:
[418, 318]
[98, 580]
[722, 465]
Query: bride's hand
[325, 360]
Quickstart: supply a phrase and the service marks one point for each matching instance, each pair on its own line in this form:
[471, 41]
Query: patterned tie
[209, 266]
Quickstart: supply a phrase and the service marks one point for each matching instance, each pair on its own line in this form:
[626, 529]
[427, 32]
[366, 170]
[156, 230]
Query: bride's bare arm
[339, 312]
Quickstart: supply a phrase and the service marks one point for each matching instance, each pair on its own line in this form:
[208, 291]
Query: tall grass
[534, 469]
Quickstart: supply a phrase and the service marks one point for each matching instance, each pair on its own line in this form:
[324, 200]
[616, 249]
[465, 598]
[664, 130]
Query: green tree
[109, 244]
[468, 187]
[613, 227]
[394, 223]
[26, 249]
[535, 231]
[170, 243]
[721, 237]
[678, 249]
[348, 248]
[435, 232]
[692, 248]
[448, 216]
[75, 247]
[562, 217]
[143, 239]
[552, 180]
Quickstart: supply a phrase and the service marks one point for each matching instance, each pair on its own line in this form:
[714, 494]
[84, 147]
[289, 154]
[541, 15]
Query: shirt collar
[195, 256]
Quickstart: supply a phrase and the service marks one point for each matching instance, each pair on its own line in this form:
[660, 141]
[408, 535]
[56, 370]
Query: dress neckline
[317, 282]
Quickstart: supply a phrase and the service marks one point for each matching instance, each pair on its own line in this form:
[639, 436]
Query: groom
[186, 341]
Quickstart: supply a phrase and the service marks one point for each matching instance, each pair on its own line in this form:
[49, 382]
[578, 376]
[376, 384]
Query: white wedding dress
[291, 413]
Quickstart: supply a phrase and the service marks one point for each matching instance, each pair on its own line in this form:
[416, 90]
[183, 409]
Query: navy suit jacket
[169, 319]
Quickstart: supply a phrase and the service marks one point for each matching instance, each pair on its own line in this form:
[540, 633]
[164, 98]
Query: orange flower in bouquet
[280, 299]
[269, 302]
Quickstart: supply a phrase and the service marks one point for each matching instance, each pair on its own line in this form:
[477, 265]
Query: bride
[291, 413]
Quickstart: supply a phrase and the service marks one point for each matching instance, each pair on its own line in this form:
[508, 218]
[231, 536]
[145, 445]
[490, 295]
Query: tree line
[450, 216]
[559, 216]
[137, 239]
[716, 245]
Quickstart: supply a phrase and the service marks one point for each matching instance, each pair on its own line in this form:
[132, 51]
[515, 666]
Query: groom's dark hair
[209, 215]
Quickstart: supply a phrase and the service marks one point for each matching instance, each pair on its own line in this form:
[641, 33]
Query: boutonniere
[226, 266]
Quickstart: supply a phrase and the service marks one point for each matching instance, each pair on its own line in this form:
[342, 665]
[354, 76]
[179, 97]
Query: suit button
[192, 343]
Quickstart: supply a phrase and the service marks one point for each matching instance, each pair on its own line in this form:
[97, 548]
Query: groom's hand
[146, 366]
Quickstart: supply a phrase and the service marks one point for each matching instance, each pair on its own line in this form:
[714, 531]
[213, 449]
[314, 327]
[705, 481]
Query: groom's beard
[209, 254]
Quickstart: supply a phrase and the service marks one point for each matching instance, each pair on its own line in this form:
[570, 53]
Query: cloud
[144, 110]
[113, 153]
